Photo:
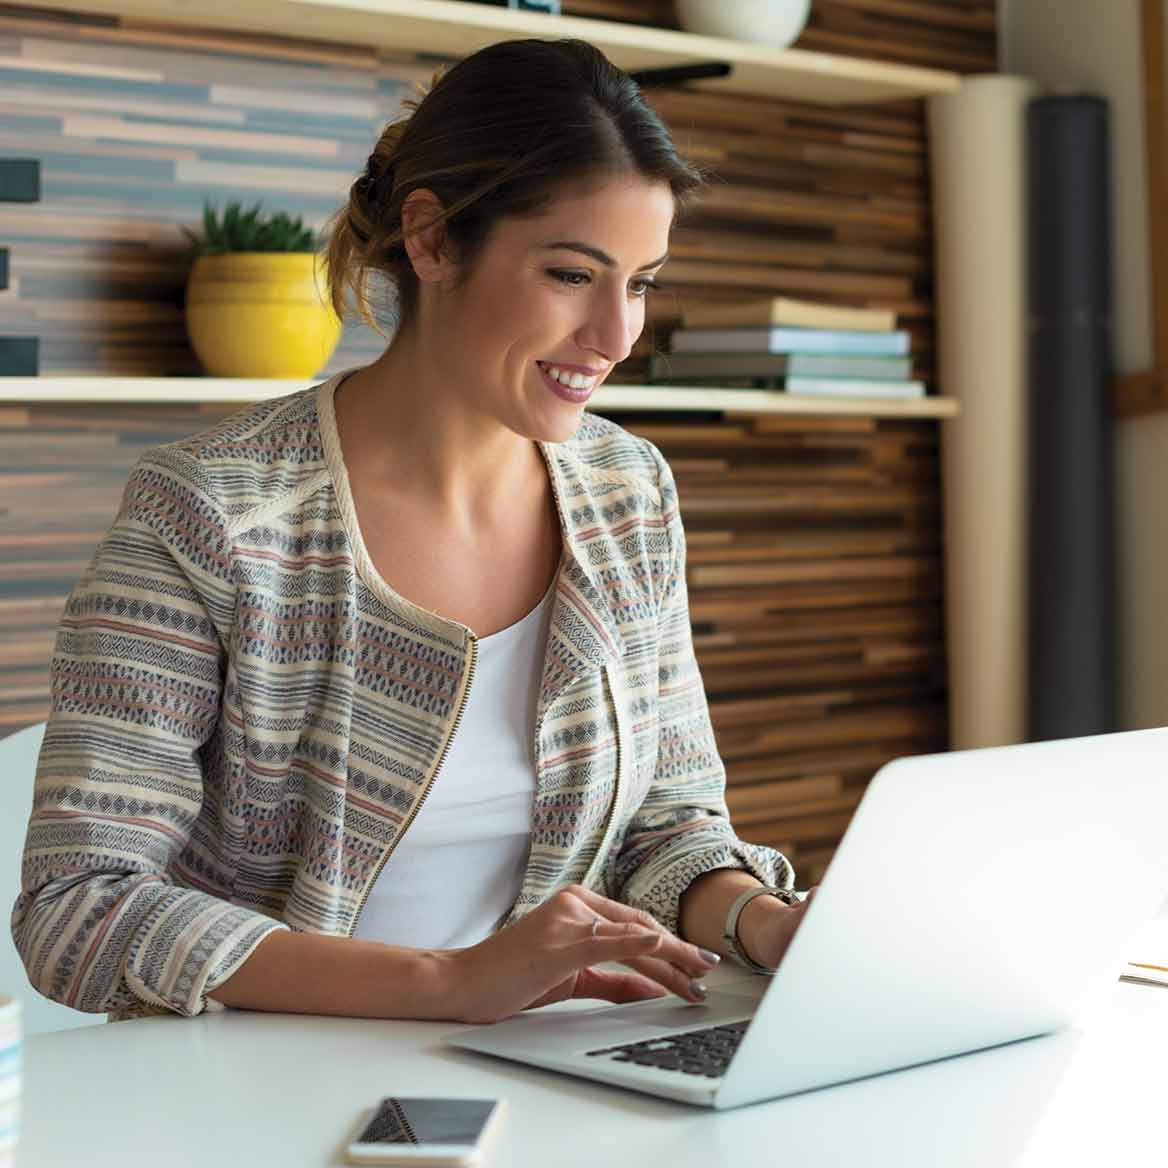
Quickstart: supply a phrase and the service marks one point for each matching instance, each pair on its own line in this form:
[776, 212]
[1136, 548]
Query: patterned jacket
[245, 717]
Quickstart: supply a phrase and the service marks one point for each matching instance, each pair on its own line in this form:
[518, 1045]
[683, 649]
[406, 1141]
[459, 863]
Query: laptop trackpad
[727, 1003]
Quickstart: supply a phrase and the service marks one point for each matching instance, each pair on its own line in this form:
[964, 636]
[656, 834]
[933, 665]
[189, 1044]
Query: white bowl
[769, 22]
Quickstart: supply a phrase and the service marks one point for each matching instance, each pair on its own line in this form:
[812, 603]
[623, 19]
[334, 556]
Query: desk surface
[250, 1089]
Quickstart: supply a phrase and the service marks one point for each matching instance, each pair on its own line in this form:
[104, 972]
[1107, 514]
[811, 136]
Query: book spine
[791, 340]
[849, 366]
[850, 387]
[783, 314]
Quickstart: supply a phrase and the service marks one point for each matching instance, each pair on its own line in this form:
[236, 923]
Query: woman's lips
[575, 396]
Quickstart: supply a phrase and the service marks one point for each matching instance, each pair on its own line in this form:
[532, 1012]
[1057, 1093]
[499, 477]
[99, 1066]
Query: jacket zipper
[474, 641]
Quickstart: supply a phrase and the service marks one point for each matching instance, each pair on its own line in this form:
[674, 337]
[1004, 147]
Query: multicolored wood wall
[815, 575]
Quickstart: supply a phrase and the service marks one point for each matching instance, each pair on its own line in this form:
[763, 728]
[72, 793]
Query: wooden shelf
[453, 29]
[165, 390]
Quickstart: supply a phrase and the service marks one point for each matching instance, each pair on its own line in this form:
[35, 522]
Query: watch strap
[730, 931]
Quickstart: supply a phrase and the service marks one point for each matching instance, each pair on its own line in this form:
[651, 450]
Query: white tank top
[458, 869]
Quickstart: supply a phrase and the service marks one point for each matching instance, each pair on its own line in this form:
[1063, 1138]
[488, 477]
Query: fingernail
[708, 957]
[698, 990]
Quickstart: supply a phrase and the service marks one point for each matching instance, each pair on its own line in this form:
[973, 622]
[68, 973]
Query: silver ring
[595, 925]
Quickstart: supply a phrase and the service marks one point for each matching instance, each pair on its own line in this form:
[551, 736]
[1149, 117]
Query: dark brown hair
[498, 134]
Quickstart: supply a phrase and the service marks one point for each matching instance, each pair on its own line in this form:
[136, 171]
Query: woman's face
[563, 291]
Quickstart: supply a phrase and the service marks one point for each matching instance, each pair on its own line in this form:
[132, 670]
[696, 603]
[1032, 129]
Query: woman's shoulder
[605, 448]
[264, 432]
[254, 456]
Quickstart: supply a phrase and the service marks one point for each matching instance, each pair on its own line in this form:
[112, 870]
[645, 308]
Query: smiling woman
[380, 698]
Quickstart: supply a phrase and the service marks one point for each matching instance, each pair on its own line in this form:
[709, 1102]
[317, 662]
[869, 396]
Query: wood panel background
[815, 572]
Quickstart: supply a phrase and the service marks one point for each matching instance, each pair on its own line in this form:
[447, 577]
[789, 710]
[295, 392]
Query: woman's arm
[765, 926]
[681, 832]
[545, 956]
[309, 973]
[136, 692]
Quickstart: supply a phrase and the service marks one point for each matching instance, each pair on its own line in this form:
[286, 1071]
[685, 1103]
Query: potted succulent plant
[256, 300]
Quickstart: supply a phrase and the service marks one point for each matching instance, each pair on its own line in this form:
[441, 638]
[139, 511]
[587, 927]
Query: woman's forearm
[705, 903]
[310, 973]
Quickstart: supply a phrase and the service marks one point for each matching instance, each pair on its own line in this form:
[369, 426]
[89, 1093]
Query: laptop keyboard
[696, 1052]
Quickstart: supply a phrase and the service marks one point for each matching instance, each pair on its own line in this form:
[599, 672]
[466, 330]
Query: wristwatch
[730, 931]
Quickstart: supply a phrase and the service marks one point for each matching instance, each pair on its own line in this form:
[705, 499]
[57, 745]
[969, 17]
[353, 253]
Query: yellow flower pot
[261, 314]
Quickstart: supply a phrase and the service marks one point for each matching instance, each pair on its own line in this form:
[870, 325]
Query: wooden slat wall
[814, 543]
[62, 471]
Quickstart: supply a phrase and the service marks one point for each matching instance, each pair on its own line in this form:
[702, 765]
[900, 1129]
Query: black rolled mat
[1071, 490]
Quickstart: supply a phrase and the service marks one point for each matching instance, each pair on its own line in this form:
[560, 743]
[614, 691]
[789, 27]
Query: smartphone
[414, 1129]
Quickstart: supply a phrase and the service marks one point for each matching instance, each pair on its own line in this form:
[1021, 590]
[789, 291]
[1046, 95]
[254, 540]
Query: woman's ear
[426, 241]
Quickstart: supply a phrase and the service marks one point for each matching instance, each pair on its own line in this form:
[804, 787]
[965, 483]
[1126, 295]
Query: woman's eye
[578, 279]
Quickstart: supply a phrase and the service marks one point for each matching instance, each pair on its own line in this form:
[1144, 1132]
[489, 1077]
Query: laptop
[978, 897]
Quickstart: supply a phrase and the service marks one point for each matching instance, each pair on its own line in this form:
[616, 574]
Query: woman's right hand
[547, 956]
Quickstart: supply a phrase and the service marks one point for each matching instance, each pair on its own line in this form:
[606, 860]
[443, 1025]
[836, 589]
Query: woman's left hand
[766, 933]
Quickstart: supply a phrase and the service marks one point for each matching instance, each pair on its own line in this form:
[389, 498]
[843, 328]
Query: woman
[261, 674]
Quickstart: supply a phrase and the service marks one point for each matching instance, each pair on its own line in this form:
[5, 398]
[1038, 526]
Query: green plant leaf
[239, 229]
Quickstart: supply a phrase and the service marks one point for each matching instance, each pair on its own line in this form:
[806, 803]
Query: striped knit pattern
[244, 713]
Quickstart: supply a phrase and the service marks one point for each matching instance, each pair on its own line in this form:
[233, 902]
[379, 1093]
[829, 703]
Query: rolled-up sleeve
[101, 921]
[682, 828]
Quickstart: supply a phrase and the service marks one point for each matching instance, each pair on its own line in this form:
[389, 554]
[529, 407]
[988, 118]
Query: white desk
[248, 1090]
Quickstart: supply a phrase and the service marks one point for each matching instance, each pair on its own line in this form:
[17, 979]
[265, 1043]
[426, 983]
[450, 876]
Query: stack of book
[791, 345]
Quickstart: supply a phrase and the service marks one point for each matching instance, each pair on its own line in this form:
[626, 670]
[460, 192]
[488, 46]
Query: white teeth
[572, 380]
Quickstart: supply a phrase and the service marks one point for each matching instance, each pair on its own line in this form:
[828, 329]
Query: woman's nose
[612, 328]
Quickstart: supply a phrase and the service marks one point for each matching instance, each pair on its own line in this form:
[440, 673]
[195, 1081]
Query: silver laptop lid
[977, 897]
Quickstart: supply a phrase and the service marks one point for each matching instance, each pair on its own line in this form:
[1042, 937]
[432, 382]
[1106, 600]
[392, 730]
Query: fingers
[631, 944]
[611, 941]
[667, 960]
[669, 976]
[644, 949]
[613, 910]
[615, 987]
[688, 958]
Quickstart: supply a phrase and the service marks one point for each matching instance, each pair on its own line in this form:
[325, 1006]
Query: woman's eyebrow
[595, 252]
